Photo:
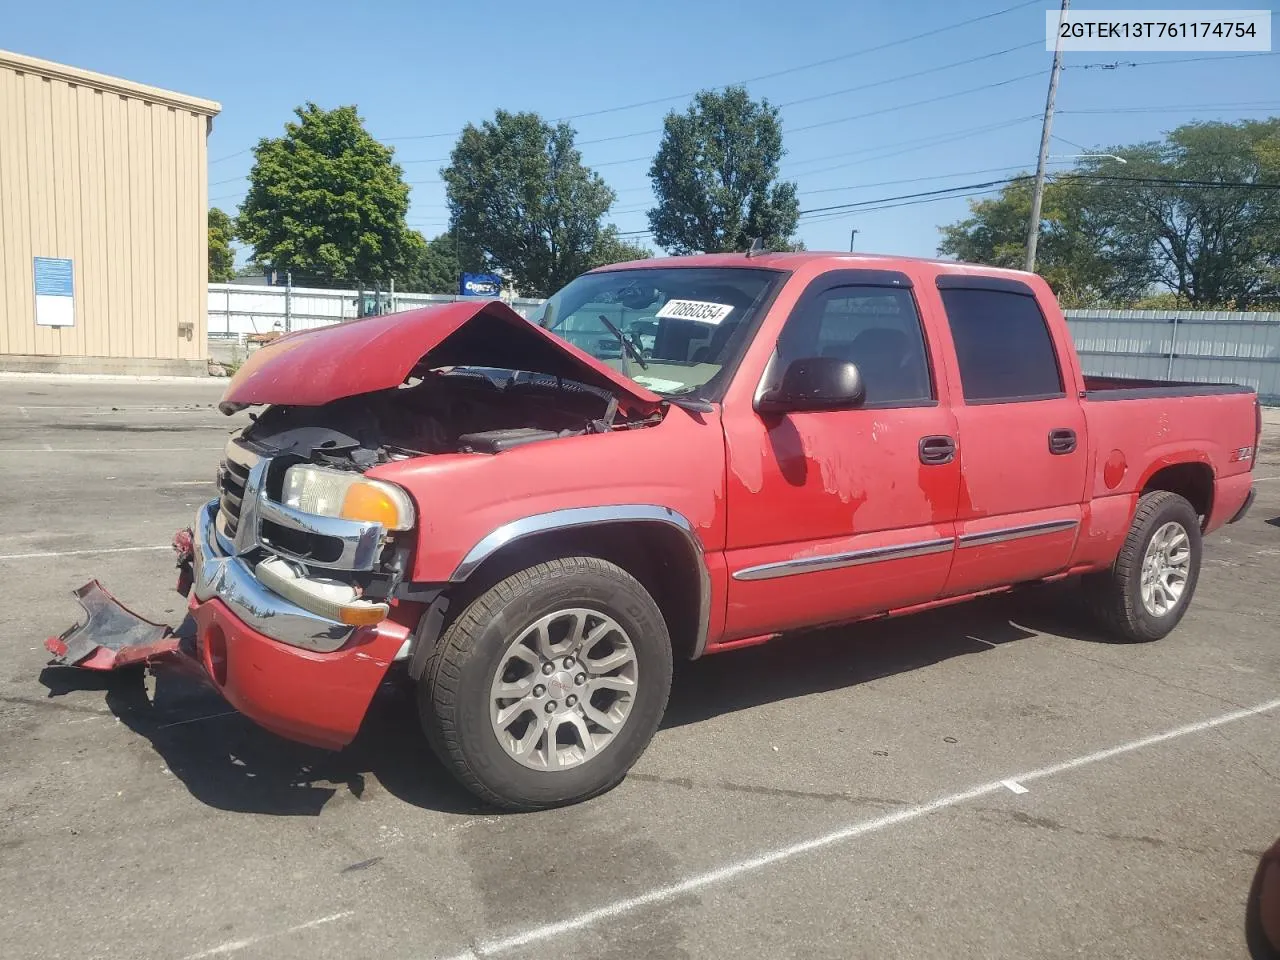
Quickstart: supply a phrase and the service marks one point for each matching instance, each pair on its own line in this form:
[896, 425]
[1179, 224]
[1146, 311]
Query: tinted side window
[1003, 345]
[875, 327]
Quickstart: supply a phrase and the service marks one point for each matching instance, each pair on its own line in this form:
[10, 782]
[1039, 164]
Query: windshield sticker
[659, 385]
[698, 310]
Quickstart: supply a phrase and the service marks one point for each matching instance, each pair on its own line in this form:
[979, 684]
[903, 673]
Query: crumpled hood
[314, 367]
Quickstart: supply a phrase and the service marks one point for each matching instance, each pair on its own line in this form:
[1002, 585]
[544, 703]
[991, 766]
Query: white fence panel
[1198, 347]
[237, 310]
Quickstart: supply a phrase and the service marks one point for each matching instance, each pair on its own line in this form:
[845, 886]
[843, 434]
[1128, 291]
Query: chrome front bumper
[219, 573]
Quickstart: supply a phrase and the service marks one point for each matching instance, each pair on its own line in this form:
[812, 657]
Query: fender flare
[577, 517]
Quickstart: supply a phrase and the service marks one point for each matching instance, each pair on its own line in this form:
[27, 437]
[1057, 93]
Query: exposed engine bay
[454, 410]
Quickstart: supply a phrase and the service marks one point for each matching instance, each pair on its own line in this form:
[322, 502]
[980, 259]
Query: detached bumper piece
[112, 637]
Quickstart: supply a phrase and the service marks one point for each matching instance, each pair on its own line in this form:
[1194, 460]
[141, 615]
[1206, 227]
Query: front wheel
[1149, 587]
[549, 685]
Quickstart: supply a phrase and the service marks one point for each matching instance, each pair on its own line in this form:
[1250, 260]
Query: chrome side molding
[851, 558]
[1014, 533]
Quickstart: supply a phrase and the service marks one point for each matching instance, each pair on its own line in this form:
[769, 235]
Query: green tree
[435, 269]
[716, 177]
[222, 259]
[1073, 255]
[611, 248]
[1200, 208]
[1195, 216]
[520, 196]
[326, 200]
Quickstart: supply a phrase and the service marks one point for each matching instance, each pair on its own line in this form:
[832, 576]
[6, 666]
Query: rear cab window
[1005, 351]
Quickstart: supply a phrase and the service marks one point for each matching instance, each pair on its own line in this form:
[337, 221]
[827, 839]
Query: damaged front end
[296, 574]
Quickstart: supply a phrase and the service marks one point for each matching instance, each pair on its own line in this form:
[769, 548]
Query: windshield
[673, 330]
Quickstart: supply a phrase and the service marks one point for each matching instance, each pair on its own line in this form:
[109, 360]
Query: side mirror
[815, 383]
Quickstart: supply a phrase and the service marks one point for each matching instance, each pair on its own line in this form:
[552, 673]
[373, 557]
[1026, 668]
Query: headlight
[349, 496]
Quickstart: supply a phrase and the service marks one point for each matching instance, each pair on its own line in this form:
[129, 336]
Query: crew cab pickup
[533, 519]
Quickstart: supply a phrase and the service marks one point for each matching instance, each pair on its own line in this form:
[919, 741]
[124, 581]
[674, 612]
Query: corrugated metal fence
[1202, 347]
[235, 310]
[1205, 347]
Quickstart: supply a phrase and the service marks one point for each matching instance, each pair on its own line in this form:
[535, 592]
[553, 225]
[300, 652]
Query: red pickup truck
[534, 519]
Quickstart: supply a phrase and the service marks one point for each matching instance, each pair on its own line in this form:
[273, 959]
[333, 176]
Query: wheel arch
[656, 545]
[1193, 480]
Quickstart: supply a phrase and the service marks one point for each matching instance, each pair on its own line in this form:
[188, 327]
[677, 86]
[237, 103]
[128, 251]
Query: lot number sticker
[699, 310]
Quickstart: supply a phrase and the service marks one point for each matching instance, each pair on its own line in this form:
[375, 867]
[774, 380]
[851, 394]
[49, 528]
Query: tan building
[103, 229]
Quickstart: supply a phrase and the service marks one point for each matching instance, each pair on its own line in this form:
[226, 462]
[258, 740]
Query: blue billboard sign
[480, 285]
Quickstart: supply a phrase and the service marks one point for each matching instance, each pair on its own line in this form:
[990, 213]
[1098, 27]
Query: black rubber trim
[964, 281]
[988, 401]
[863, 278]
[1166, 393]
[1248, 502]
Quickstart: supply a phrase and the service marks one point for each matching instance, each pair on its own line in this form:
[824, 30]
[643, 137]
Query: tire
[487, 649]
[1117, 595]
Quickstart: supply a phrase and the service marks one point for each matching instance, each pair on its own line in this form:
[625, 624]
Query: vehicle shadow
[229, 763]
[833, 658]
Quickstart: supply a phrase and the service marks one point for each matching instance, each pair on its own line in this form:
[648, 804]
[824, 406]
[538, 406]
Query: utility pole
[1046, 130]
[852, 233]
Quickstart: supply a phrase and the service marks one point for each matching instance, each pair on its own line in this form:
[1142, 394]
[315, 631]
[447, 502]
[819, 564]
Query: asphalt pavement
[991, 781]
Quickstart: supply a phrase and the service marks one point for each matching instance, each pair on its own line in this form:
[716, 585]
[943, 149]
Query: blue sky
[421, 69]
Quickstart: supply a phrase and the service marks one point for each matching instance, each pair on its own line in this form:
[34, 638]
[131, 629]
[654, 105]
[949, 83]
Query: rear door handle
[935, 451]
[1061, 441]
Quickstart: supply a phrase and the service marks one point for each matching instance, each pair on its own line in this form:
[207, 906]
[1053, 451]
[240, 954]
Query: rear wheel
[549, 685]
[1149, 587]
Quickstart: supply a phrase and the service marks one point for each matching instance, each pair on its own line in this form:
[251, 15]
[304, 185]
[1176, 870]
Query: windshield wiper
[627, 345]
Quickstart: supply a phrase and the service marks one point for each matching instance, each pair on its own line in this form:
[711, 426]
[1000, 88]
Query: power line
[1175, 181]
[765, 76]
[1233, 107]
[230, 156]
[820, 214]
[918, 144]
[860, 116]
[935, 176]
[863, 211]
[909, 196]
[910, 76]
[1004, 181]
[1116, 64]
[916, 103]
[836, 93]
[930, 140]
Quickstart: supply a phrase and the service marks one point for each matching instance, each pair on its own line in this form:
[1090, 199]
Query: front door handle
[1062, 441]
[935, 451]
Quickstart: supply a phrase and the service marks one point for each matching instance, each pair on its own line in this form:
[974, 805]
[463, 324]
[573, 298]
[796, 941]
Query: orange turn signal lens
[363, 616]
[376, 503]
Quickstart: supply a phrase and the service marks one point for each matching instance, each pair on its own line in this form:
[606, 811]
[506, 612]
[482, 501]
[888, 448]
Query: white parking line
[76, 553]
[232, 946]
[1265, 479]
[1013, 786]
[731, 871]
[212, 716]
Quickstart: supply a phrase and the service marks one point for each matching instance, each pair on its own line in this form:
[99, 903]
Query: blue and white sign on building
[55, 292]
[480, 285]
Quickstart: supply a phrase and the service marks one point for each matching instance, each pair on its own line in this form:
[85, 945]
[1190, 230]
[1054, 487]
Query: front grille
[233, 474]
